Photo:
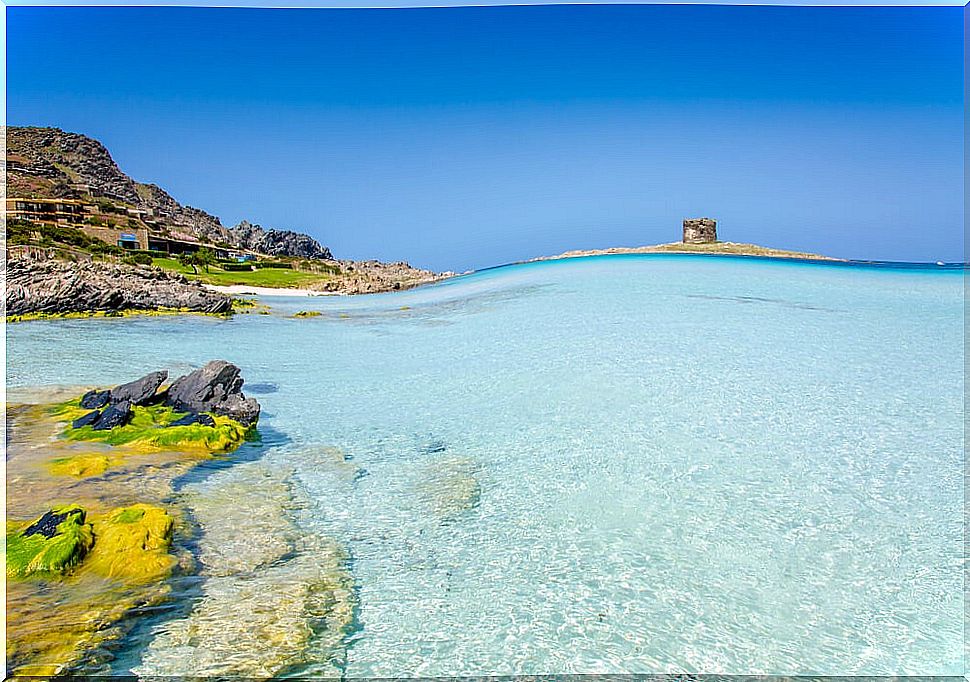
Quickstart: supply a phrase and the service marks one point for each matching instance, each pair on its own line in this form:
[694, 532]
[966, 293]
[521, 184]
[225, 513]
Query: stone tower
[700, 231]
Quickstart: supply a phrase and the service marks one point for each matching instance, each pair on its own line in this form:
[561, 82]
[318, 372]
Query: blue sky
[459, 138]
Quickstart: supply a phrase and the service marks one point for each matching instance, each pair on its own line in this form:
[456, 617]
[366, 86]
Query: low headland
[717, 248]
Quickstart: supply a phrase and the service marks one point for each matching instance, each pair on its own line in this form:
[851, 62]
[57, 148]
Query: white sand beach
[245, 289]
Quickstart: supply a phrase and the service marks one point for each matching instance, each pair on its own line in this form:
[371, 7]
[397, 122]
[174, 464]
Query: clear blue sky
[459, 138]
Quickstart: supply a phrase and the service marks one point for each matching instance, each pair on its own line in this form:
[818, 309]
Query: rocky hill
[49, 163]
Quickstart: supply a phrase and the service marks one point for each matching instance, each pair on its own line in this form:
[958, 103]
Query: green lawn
[266, 277]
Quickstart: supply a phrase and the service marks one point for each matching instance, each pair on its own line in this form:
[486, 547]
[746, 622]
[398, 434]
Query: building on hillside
[177, 244]
[700, 231]
[133, 238]
[52, 211]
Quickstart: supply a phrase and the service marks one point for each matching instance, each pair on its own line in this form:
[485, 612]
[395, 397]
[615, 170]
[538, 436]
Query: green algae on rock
[53, 544]
[55, 626]
[149, 429]
[308, 313]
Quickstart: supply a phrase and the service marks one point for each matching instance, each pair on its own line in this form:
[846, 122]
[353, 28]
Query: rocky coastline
[59, 287]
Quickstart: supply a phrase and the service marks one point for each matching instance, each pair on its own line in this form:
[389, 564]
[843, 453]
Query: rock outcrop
[215, 388]
[57, 287]
[278, 242]
[372, 277]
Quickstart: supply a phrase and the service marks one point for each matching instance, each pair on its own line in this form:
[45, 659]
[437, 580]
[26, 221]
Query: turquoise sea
[597, 465]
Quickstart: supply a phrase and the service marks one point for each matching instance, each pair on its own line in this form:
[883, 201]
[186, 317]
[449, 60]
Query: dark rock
[93, 400]
[244, 410]
[191, 418]
[87, 420]
[140, 391]
[216, 388]
[47, 524]
[113, 415]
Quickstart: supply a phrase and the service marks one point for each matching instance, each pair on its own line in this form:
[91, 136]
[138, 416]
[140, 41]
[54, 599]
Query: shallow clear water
[619, 464]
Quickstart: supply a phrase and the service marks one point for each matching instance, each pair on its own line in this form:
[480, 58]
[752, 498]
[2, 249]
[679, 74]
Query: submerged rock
[263, 387]
[113, 416]
[95, 399]
[140, 391]
[273, 597]
[216, 388]
[452, 487]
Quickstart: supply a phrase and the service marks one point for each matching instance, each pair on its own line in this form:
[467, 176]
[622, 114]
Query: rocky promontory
[59, 287]
[372, 277]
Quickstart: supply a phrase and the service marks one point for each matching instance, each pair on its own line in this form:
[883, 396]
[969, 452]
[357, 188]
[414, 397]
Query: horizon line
[438, 4]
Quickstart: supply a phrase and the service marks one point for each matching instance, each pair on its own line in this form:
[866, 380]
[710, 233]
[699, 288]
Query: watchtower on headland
[700, 231]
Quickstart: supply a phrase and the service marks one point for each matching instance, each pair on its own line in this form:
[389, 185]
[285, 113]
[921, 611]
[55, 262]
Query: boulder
[216, 388]
[113, 415]
[140, 391]
[86, 420]
[92, 400]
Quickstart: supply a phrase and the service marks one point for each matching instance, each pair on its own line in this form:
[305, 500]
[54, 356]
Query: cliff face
[48, 162]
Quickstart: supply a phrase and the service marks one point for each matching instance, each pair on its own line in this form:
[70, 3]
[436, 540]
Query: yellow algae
[60, 623]
[55, 625]
[82, 466]
[308, 313]
[55, 628]
[131, 543]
